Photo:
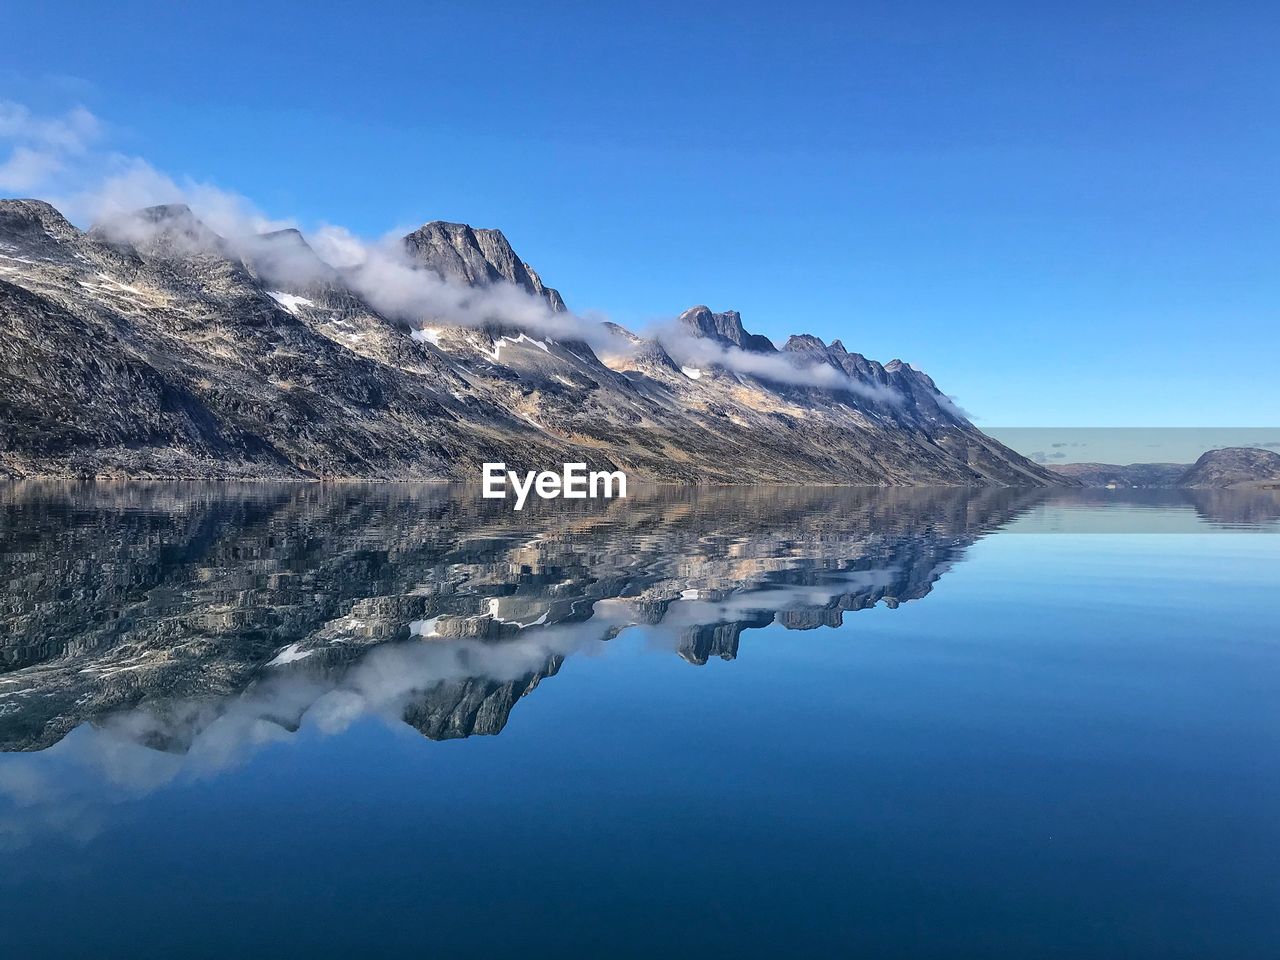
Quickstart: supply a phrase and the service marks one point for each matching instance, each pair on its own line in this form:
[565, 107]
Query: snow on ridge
[289, 654]
[525, 338]
[522, 338]
[106, 278]
[424, 628]
[693, 373]
[430, 335]
[494, 605]
[289, 301]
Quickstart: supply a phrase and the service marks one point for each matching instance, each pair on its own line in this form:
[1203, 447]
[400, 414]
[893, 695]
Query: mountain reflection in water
[216, 703]
[154, 611]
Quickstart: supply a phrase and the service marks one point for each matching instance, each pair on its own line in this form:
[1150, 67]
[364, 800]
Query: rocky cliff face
[725, 328]
[150, 346]
[476, 258]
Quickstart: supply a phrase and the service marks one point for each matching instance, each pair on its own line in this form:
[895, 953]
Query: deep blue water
[945, 724]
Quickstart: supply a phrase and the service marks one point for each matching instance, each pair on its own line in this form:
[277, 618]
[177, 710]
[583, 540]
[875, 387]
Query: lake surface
[398, 720]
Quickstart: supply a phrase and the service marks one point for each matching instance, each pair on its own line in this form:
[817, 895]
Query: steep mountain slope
[151, 346]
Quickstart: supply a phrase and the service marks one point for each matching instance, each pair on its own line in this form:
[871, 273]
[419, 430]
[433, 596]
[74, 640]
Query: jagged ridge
[151, 346]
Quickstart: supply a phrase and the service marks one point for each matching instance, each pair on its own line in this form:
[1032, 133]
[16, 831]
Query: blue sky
[1067, 215]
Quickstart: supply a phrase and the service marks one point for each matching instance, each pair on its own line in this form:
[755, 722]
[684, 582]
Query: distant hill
[1123, 475]
[1226, 467]
[1234, 467]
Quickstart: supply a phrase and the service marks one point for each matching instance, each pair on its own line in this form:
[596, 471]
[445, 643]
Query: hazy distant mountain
[1233, 467]
[151, 346]
[1123, 475]
[1226, 467]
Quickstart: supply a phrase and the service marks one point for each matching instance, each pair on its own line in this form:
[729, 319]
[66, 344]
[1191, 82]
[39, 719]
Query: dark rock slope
[153, 347]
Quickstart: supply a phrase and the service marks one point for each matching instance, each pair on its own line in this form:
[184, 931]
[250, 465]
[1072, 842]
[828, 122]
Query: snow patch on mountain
[290, 654]
[289, 301]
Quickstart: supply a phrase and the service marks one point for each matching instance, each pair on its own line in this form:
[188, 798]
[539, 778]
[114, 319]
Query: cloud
[337, 246]
[381, 271]
[38, 800]
[26, 169]
[691, 351]
[387, 277]
[131, 184]
[72, 132]
[52, 155]
[40, 147]
[950, 404]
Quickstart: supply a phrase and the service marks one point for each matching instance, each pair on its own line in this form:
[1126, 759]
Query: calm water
[349, 721]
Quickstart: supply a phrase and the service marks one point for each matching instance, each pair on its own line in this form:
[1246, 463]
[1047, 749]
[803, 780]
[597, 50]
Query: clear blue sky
[1068, 214]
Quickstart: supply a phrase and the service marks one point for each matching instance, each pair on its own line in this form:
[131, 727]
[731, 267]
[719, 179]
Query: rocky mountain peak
[854, 365]
[802, 342]
[645, 352]
[31, 225]
[725, 328]
[901, 372]
[18, 214]
[162, 212]
[285, 259]
[476, 257]
[620, 331]
[287, 235]
[167, 230]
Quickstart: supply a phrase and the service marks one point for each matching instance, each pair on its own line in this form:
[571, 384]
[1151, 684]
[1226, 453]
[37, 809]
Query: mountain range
[1223, 467]
[152, 347]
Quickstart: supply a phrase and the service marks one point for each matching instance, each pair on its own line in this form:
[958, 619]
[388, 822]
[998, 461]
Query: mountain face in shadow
[158, 608]
[150, 347]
